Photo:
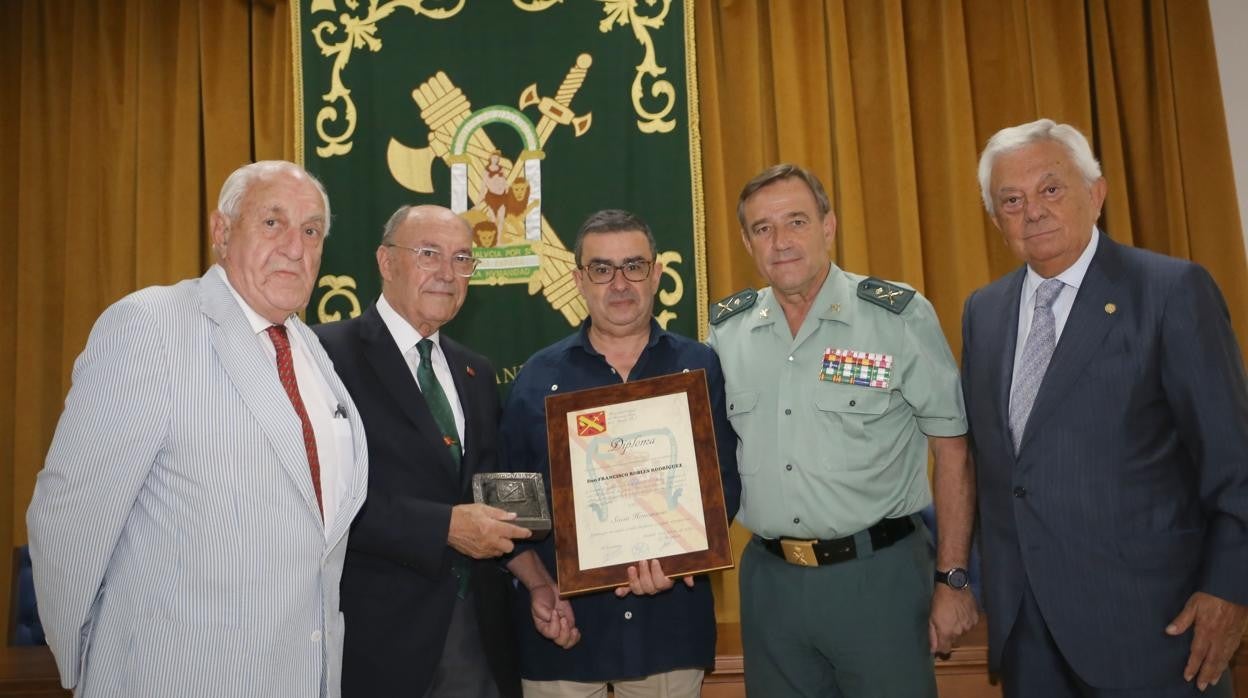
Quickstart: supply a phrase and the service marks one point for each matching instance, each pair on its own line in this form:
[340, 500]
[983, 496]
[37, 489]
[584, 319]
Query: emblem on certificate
[634, 476]
[521, 493]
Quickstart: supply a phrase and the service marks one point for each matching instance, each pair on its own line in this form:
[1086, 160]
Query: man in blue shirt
[652, 637]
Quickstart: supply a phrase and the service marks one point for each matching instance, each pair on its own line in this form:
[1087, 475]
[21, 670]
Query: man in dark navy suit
[424, 598]
[1109, 424]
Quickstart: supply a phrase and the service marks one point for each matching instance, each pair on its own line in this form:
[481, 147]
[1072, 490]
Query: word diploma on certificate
[635, 476]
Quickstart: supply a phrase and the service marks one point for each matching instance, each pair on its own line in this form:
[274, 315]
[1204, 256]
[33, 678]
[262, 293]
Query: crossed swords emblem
[887, 295]
[588, 424]
[443, 107]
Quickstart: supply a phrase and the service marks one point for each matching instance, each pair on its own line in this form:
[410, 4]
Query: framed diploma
[634, 475]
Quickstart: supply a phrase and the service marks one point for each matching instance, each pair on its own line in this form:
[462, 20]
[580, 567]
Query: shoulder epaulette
[890, 297]
[722, 310]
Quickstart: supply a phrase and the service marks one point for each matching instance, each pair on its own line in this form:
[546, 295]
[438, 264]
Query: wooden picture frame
[632, 484]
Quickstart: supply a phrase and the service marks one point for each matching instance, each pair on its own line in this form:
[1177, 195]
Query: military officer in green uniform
[837, 384]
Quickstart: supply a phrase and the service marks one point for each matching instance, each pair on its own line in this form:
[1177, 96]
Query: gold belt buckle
[799, 552]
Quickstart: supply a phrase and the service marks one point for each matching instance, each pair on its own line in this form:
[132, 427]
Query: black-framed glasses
[603, 273]
[430, 259]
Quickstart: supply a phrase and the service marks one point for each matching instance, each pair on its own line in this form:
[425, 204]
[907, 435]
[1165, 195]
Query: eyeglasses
[603, 273]
[430, 259]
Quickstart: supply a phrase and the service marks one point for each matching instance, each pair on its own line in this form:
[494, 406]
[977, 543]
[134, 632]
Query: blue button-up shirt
[634, 636]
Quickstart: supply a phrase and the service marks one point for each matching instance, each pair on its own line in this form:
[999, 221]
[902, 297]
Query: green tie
[435, 397]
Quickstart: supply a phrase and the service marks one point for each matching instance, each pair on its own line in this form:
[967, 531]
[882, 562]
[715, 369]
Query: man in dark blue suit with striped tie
[422, 591]
[1109, 425]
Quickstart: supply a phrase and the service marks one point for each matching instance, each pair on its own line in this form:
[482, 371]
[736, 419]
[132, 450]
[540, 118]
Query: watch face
[958, 578]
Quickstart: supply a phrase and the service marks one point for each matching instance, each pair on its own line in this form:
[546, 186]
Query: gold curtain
[118, 121]
[121, 119]
[890, 101]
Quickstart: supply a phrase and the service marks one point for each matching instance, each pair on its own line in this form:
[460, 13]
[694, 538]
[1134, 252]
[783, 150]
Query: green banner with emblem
[524, 116]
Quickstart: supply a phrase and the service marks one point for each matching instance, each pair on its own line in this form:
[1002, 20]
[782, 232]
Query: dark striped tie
[286, 373]
[435, 397]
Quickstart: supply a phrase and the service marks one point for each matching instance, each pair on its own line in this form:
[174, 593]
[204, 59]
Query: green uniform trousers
[856, 629]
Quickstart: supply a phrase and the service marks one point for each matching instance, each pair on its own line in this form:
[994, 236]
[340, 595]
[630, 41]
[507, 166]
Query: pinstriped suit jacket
[177, 545]
[1130, 488]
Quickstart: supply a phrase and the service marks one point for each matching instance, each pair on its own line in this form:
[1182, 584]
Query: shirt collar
[836, 299]
[405, 336]
[1072, 276]
[832, 302]
[582, 336]
[257, 322]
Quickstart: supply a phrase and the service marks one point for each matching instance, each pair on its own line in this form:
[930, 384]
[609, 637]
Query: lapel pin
[836, 307]
[762, 313]
[471, 371]
[1110, 308]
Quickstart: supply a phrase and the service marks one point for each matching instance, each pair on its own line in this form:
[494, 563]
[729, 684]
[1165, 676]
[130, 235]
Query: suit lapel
[350, 500]
[254, 376]
[1082, 335]
[458, 364]
[393, 372]
[1005, 316]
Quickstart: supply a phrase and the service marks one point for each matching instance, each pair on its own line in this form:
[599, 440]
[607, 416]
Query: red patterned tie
[286, 372]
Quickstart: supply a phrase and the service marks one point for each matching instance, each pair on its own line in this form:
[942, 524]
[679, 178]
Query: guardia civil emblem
[500, 195]
[522, 116]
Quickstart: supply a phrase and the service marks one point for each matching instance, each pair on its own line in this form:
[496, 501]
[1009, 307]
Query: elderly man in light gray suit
[189, 525]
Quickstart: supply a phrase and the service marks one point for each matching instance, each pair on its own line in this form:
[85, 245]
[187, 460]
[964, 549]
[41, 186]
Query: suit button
[788, 411]
[797, 519]
[1020, 492]
[789, 466]
[316, 636]
[628, 615]
[853, 403]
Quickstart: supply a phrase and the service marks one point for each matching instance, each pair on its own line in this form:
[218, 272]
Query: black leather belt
[812, 553]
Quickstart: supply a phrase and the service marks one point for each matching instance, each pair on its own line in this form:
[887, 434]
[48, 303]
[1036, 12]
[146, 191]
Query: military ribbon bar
[867, 369]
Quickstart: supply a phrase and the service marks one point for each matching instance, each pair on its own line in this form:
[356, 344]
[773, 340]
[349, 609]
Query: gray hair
[776, 173]
[612, 220]
[240, 180]
[1015, 137]
[392, 224]
[400, 215]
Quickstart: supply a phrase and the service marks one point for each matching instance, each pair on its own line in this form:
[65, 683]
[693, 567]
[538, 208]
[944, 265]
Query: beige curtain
[118, 122]
[120, 119]
[889, 102]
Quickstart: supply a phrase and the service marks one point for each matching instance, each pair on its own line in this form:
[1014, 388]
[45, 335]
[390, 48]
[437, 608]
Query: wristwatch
[956, 578]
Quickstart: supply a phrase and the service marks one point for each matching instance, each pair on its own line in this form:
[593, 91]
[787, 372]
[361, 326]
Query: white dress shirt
[405, 337]
[334, 446]
[1071, 279]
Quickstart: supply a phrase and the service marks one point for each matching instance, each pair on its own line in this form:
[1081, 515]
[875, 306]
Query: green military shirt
[822, 459]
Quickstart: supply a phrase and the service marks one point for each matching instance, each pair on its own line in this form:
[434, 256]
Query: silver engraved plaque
[521, 493]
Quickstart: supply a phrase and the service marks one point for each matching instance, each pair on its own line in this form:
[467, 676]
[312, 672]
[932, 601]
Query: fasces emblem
[495, 185]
